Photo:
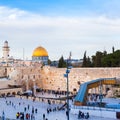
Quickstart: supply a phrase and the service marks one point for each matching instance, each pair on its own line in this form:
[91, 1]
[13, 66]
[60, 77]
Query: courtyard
[12, 105]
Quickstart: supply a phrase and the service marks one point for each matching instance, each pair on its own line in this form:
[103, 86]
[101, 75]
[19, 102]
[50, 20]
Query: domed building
[40, 54]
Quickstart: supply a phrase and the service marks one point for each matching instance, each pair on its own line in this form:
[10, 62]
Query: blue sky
[66, 7]
[60, 26]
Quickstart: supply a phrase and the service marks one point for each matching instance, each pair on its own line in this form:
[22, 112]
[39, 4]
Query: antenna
[70, 55]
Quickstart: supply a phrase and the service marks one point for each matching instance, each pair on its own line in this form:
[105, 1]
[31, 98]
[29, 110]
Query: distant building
[76, 62]
[71, 62]
[54, 63]
[6, 59]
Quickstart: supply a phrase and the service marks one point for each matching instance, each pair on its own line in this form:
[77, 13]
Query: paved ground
[13, 105]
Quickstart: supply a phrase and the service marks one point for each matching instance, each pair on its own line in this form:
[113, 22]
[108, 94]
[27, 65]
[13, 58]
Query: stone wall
[3, 72]
[53, 78]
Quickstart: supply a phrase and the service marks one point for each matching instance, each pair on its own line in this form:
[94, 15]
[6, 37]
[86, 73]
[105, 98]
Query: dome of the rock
[40, 54]
[40, 51]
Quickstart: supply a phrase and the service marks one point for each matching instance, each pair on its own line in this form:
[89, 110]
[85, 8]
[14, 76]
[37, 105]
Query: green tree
[97, 59]
[112, 59]
[61, 63]
[49, 61]
[89, 64]
[84, 60]
[105, 53]
[102, 59]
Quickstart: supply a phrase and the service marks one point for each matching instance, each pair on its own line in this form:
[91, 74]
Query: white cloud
[59, 35]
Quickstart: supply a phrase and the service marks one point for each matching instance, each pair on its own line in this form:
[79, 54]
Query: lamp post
[100, 93]
[66, 75]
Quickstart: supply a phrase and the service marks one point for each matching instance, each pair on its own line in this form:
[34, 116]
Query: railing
[94, 108]
[42, 99]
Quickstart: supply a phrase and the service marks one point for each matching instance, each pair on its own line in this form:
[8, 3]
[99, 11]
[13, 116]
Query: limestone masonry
[53, 78]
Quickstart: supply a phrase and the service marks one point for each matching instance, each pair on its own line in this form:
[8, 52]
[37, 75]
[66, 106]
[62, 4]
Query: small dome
[40, 52]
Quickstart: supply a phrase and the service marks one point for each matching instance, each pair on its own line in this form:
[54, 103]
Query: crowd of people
[83, 115]
[30, 111]
[56, 93]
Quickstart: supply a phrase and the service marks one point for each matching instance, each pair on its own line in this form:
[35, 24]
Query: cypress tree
[84, 60]
[61, 63]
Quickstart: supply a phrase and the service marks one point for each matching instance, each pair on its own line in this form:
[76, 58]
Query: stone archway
[8, 94]
[18, 93]
[13, 93]
[3, 95]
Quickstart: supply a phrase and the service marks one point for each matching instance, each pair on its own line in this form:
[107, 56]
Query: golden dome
[40, 52]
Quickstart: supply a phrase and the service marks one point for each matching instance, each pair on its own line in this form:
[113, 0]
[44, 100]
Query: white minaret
[6, 51]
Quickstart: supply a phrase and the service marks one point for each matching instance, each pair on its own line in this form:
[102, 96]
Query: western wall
[53, 78]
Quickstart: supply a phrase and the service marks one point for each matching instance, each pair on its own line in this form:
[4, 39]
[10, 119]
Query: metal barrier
[93, 108]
